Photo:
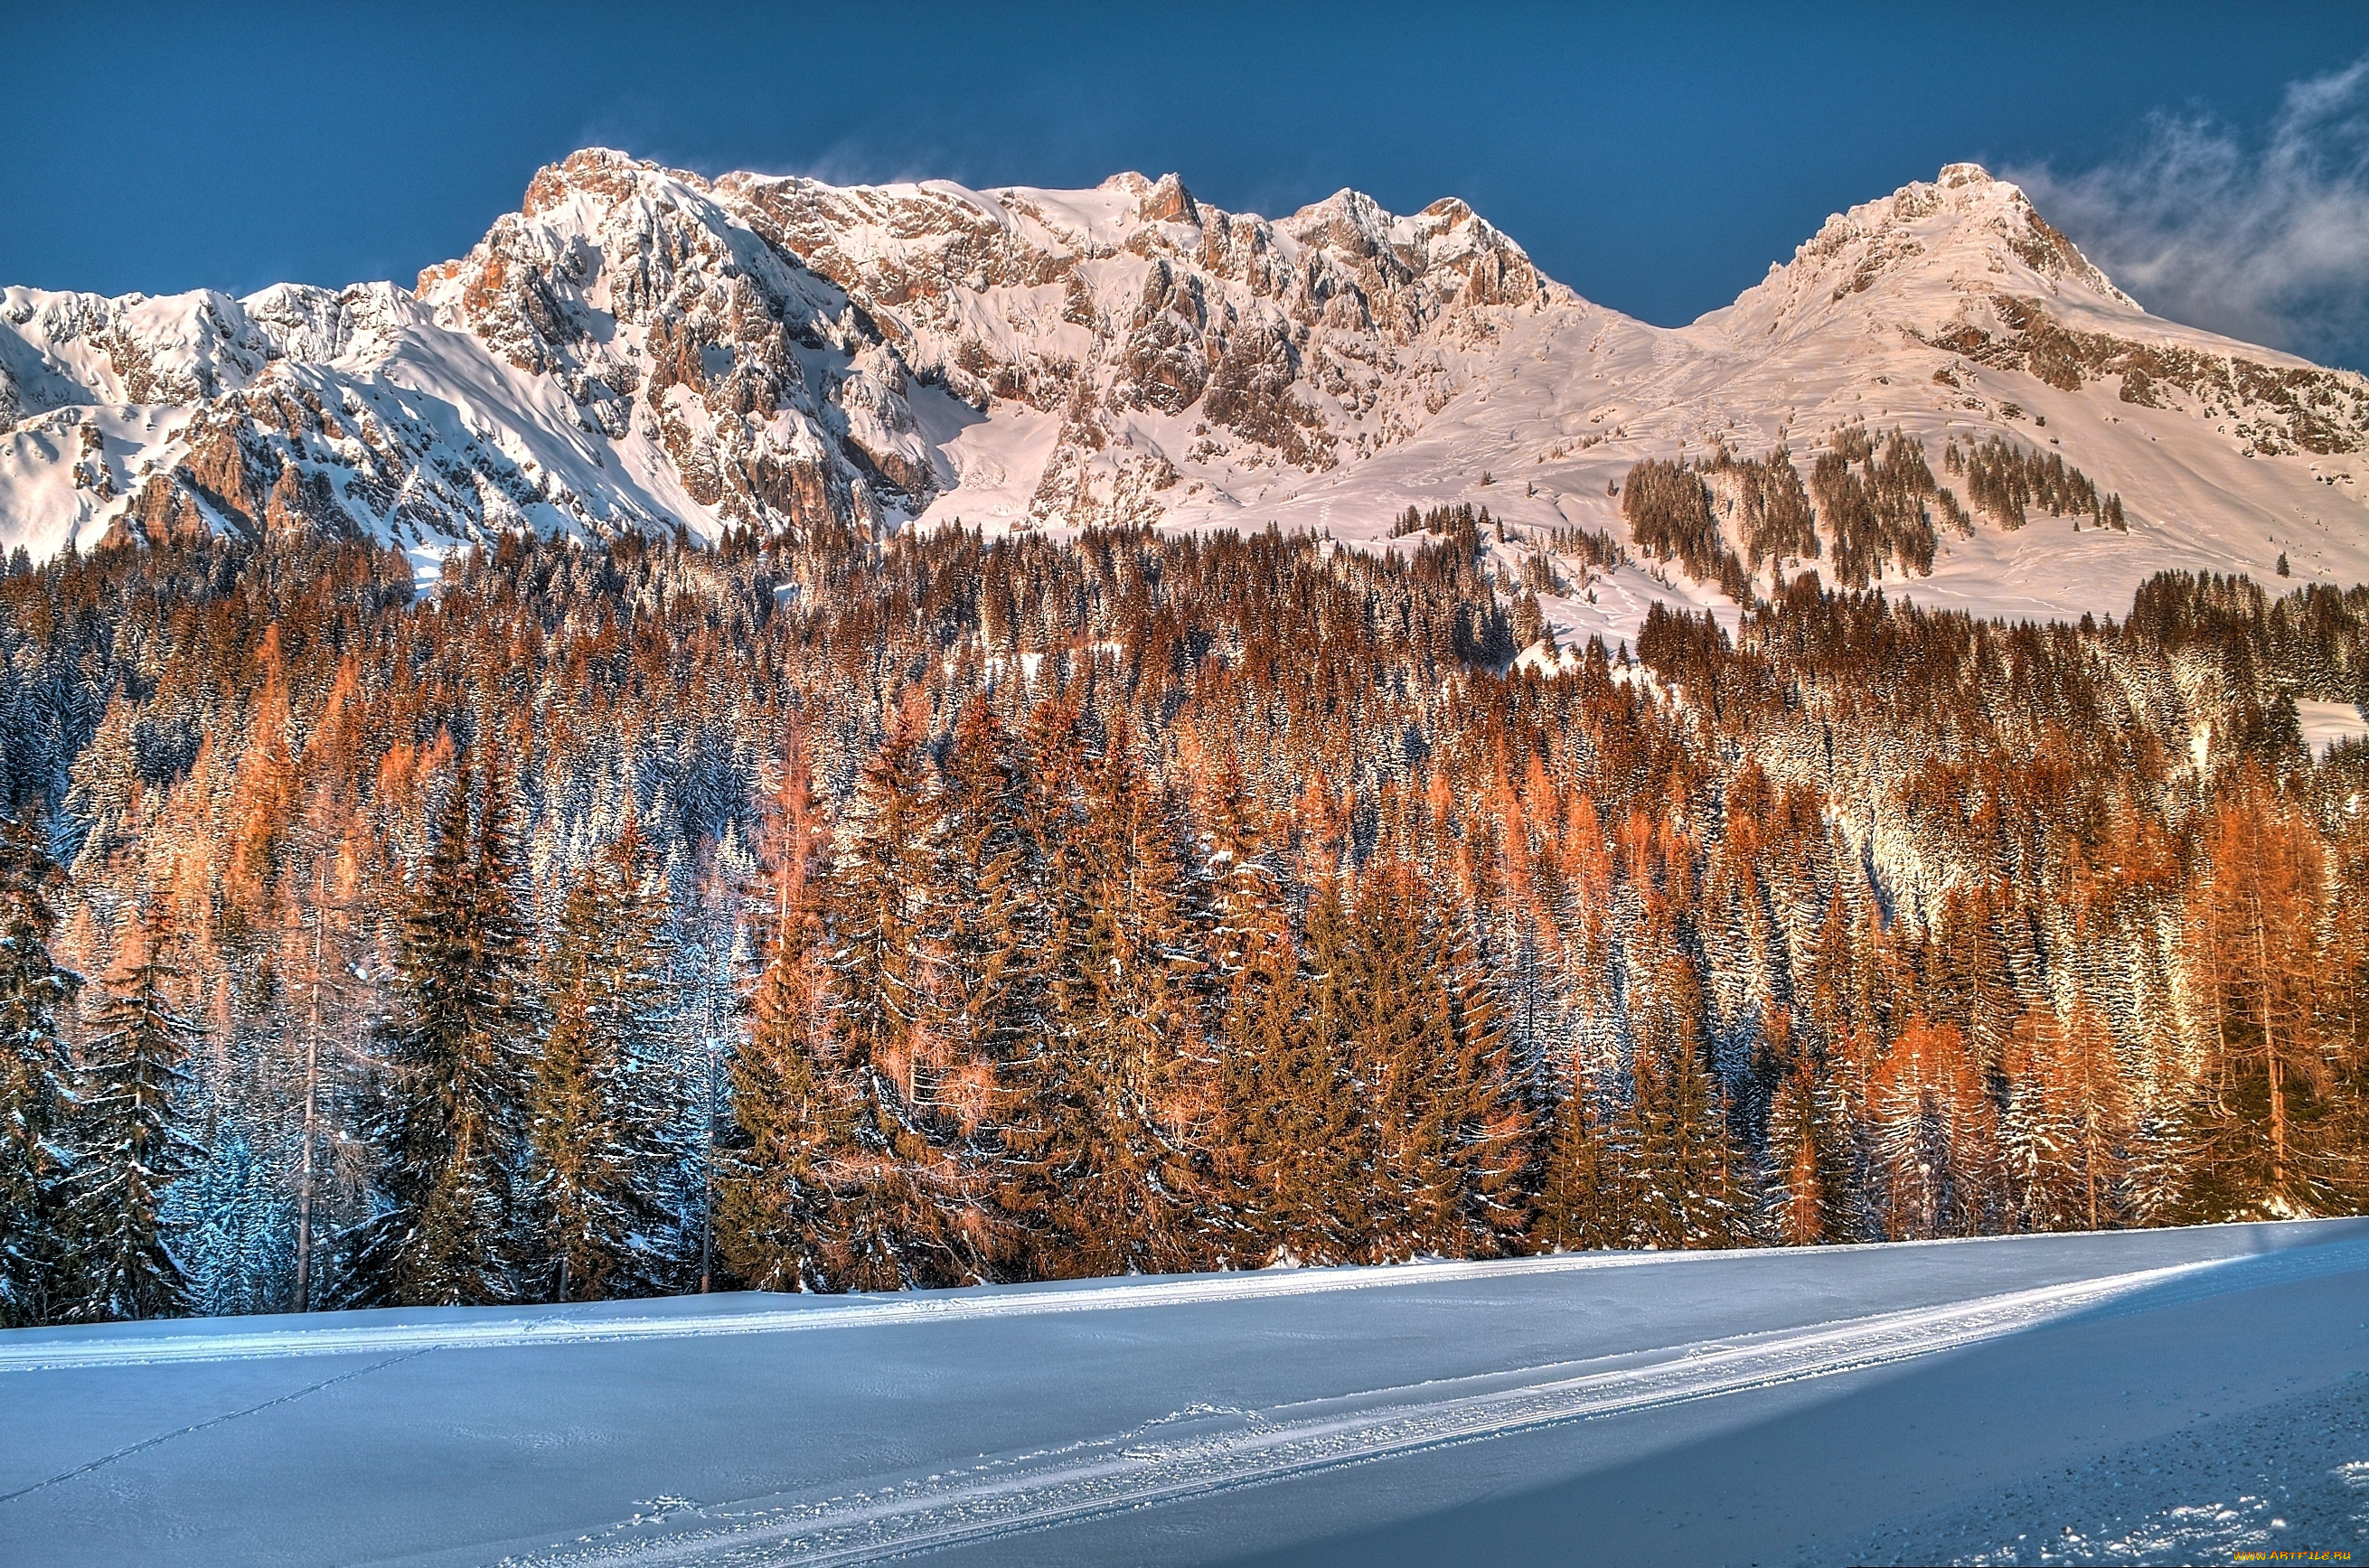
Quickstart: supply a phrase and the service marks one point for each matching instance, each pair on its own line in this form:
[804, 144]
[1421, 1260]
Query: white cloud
[2263, 237]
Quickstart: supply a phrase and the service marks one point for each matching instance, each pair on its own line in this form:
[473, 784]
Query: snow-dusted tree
[35, 1090]
[2066, 1131]
[130, 1145]
[1450, 1136]
[1104, 1123]
[233, 1229]
[1290, 1150]
[454, 1063]
[599, 1114]
[1578, 1206]
[1934, 1137]
[776, 1215]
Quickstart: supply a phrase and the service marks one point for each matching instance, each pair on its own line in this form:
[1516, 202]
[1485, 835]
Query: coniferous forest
[818, 912]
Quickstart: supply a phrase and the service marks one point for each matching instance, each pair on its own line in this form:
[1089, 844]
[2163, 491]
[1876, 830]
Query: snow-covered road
[1643, 1407]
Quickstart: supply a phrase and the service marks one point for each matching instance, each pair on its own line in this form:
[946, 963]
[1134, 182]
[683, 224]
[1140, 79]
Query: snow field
[1326, 1414]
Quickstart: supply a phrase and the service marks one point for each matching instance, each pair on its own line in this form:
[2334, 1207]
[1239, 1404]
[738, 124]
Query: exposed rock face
[1122, 308]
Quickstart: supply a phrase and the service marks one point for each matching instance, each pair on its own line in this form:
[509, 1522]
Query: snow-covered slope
[1758, 1406]
[639, 347]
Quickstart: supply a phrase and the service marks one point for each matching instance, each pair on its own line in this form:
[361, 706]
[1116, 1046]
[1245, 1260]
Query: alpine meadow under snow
[751, 735]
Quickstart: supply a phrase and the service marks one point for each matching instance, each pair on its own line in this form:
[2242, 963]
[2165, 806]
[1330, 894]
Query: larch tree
[776, 1221]
[2068, 1121]
[1933, 1136]
[2261, 1105]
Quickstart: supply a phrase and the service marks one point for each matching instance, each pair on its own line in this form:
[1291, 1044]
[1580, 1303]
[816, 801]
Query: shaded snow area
[2287, 1479]
[2165, 1396]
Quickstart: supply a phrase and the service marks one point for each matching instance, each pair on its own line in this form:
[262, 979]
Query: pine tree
[128, 1141]
[455, 1061]
[36, 1095]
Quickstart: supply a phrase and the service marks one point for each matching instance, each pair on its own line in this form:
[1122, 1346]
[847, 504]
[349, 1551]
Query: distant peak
[1168, 202]
[598, 171]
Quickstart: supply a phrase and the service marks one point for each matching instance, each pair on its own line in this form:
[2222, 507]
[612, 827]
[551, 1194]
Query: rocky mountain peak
[1919, 257]
[643, 347]
[603, 175]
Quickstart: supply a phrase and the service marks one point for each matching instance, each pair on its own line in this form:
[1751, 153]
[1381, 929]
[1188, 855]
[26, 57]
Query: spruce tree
[989, 981]
[130, 1145]
[1451, 1136]
[233, 1231]
[36, 1095]
[1681, 1187]
[985, 978]
[1043, 1122]
[1295, 1141]
[600, 1116]
[581, 1166]
[1103, 1131]
[888, 960]
[454, 1062]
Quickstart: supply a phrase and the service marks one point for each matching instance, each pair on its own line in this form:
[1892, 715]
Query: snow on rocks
[643, 348]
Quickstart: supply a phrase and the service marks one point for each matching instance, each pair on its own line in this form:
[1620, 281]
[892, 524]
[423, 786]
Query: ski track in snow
[130, 1448]
[1206, 1450]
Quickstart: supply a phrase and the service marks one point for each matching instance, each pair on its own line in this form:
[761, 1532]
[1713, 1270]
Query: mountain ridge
[645, 348]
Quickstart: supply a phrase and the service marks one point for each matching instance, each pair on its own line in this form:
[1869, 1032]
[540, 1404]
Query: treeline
[1876, 500]
[1881, 514]
[1773, 517]
[811, 912]
[1669, 512]
[2003, 481]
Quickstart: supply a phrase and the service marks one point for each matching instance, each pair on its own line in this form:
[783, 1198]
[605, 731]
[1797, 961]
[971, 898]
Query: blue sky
[1656, 162]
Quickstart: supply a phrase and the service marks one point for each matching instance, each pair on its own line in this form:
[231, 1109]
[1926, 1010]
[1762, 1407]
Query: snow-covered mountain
[639, 348]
